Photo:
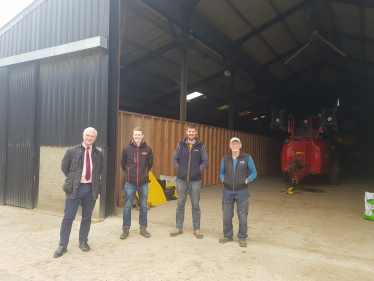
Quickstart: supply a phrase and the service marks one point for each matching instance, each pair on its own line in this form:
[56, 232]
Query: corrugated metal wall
[56, 22]
[162, 135]
[21, 155]
[73, 95]
[3, 130]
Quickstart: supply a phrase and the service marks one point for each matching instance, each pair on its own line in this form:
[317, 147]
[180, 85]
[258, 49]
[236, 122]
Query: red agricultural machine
[305, 152]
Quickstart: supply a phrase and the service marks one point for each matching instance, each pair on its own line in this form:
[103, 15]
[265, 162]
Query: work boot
[144, 232]
[242, 243]
[198, 234]
[125, 232]
[176, 232]
[225, 239]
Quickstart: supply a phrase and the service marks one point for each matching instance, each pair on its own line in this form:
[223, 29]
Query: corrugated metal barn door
[3, 130]
[21, 150]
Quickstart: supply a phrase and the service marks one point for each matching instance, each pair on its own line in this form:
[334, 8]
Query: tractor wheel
[333, 175]
[287, 177]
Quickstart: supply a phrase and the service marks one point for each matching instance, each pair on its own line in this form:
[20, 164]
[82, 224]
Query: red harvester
[305, 152]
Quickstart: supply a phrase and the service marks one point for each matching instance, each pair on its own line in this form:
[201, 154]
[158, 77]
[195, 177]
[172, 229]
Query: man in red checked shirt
[136, 162]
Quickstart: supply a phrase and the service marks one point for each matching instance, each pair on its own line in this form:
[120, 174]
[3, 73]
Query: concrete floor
[315, 234]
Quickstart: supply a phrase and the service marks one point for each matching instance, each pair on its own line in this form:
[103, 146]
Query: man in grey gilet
[237, 171]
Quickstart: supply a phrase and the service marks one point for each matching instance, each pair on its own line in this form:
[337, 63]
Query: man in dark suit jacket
[82, 166]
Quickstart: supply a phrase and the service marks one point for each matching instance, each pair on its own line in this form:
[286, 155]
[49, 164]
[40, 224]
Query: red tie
[88, 164]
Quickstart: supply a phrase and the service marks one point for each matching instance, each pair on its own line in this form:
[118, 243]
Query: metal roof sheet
[347, 18]
[352, 47]
[279, 38]
[224, 17]
[257, 49]
[284, 5]
[280, 70]
[257, 12]
[369, 52]
[369, 22]
[298, 63]
[300, 26]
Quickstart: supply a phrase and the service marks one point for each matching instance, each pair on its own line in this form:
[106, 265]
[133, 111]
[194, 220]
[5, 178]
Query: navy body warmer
[189, 161]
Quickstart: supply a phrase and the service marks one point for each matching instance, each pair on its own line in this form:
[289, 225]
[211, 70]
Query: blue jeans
[193, 188]
[84, 198]
[130, 192]
[241, 198]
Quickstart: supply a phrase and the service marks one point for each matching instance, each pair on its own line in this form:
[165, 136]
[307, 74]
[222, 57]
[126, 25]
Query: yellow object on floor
[289, 191]
[175, 193]
[155, 193]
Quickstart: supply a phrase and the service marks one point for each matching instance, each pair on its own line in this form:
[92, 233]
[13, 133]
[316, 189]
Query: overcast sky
[10, 8]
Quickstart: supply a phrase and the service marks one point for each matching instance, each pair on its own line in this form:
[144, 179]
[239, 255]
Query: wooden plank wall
[163, 134]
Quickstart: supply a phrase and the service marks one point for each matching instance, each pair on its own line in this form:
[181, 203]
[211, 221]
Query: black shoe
[84, 246]
[60, 251]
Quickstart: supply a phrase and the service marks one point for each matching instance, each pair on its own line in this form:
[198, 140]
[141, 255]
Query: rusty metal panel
[3, 130]
[56, 22]
[21, 154]
[73, 95]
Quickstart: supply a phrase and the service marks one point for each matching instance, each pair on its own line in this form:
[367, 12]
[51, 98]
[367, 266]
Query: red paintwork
[313, 150]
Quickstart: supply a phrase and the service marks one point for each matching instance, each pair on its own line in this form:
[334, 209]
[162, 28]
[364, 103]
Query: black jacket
[190, 163]
[136, 162]
[72, 167]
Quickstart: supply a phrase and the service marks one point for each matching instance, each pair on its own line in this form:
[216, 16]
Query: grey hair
[90, 129]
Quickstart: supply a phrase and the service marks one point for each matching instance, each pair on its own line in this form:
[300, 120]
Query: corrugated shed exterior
[73, 95]
[56, 22]
[73, 88]
[3, 130]
[21, 154]
[57, 97]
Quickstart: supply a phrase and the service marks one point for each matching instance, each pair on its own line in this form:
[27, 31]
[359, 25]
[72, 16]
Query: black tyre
[287, 177]
[333, 175]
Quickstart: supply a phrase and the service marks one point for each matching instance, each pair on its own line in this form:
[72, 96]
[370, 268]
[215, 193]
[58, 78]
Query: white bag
[369, 206]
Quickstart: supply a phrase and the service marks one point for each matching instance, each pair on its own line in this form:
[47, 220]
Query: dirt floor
[314, 234]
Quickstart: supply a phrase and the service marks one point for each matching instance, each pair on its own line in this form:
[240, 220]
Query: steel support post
[184, 82]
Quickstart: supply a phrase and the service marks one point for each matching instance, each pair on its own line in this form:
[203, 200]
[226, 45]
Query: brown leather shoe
[176, 232]
[242, 243]
[225, 240]
[198, 234]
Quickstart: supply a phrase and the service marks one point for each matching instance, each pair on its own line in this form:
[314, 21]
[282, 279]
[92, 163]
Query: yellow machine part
[155, 193]
[175, 193]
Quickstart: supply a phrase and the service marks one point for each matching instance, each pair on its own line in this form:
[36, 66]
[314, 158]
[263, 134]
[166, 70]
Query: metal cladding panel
[73, 95]
[352, 47]
[280, 70]
[223, 16]
[285, 5]
[56, 22]
[301, 28]
[369, 52]
[347, 18]
[258, 50]
[278, 38]
[369, 22]
[3, 130]
[21, 155]
[257, 12]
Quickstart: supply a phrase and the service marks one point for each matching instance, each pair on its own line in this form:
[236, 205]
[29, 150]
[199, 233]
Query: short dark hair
[191, 126]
